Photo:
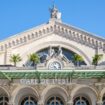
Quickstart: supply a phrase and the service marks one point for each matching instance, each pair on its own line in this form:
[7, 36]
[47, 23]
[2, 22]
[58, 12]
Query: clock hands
[55, 66]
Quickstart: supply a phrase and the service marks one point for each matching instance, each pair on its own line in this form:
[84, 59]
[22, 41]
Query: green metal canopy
[51, 74]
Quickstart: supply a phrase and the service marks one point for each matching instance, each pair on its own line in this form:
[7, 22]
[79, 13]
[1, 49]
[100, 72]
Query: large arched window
[28, 100]
[64, 53]
[55, 101]
[81, 101]
[3, 100]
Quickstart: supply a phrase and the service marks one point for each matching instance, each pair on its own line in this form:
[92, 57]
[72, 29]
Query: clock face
[55, 66]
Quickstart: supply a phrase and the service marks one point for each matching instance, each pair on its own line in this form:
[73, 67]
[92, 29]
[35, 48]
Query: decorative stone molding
[62, 29]
[99, 103]
[62, 89]
[68, 33]
[63, 44]
[10, 103]
[88, 37]
[40, 102]
[70, 102]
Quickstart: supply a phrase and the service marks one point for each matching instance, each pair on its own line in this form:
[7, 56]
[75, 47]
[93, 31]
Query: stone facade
[94, 92]
[55, 34]
[52, 34]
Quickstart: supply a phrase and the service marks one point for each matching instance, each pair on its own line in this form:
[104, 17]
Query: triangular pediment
[58, 28]
[79, 35]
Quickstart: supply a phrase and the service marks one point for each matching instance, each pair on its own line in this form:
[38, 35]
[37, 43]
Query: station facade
[56, 81]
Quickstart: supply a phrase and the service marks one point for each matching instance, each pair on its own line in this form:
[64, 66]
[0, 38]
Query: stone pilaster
[5, 57]
[99, 86]
[10, 103]
[70, 102]
[99, 103]
[8, 57]
[40, 103]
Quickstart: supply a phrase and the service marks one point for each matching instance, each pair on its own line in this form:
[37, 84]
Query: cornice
[79, 30]
[61, 29]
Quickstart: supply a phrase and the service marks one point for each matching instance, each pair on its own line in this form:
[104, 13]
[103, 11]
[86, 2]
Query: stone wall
[93, 91]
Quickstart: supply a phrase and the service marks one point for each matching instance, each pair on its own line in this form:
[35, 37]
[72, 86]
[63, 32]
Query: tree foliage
[34, 58]
[77, 59]
[96, 59]
[15, 58]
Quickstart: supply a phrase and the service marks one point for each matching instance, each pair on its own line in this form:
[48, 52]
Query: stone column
[10, 103]
[99, 103]
[40, 103]
[99, 86]
[70, 102]
[5, 57]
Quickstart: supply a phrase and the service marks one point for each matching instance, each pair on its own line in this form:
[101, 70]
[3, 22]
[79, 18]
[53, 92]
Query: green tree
[34, 58]
[15, 58]
[96, 59]
[77, 59]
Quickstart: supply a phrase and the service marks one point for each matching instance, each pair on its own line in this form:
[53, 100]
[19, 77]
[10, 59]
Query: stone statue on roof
[54, 13]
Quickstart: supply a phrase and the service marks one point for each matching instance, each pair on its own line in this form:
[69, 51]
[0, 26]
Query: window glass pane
[55, 101]
[104, 100]
[29, 101]
[81, 101]
[3, 100]
[6, 98]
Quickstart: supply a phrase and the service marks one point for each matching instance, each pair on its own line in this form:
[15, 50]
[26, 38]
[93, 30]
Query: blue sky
[19, 15]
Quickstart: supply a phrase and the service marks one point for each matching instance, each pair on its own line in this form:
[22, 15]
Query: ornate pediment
[54, 27]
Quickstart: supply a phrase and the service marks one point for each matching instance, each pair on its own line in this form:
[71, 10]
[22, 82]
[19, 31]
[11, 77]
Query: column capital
[10, 103]
[70, 102]
[99, 103]
[40, 103]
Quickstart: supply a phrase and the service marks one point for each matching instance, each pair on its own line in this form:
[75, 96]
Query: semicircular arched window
[81, 101]
[3, 100]
[28, 100]
[55, 101]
